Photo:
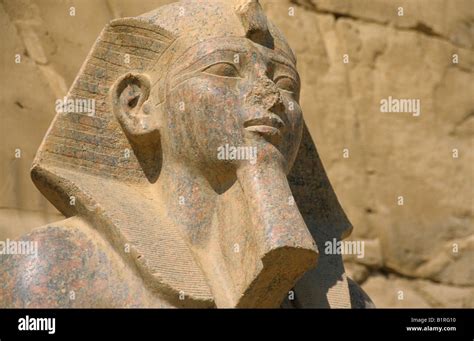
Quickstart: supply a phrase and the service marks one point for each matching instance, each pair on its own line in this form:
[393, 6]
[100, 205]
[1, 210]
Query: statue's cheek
[218, 116]
[214, 101]
[295, 118]
[211, 114]
[294, 132]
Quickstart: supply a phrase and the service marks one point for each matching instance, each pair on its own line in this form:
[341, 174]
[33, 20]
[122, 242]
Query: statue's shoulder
[67, 264]
[50, 266]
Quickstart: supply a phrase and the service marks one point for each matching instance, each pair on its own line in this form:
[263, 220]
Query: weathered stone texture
[390, 154]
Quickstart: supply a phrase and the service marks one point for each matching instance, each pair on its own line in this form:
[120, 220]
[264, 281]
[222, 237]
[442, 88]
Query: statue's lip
[264, 130]
[270, 121]
[268, 126]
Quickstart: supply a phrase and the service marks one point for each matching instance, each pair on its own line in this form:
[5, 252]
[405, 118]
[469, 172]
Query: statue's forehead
[234, 46]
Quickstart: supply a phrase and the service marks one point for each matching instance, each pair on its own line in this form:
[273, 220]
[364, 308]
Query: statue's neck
[187, 200]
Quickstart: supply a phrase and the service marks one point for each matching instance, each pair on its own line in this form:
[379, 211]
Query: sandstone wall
[417, 254]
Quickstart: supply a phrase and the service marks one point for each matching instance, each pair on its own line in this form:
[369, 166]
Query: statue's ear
[140, 119]
[133, 106]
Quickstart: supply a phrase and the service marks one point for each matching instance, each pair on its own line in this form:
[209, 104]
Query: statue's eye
[286, 84]
[222, 69]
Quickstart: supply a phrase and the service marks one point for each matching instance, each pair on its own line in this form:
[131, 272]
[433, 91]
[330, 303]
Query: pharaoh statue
[154, 217]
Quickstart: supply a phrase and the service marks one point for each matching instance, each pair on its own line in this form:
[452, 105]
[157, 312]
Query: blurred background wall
[419, 254]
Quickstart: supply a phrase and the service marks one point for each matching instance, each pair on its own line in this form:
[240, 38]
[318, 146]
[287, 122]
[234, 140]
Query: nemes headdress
[88, 156]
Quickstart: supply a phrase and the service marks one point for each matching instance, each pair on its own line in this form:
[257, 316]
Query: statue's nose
[266, 95]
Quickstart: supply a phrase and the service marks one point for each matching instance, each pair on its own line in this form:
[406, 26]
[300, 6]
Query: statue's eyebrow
[275, 57]
[233, 48]
[283, 61]
[286, 66]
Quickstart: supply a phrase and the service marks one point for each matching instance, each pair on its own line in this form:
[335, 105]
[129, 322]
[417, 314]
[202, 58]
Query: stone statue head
[197, 155]
[212, 83]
